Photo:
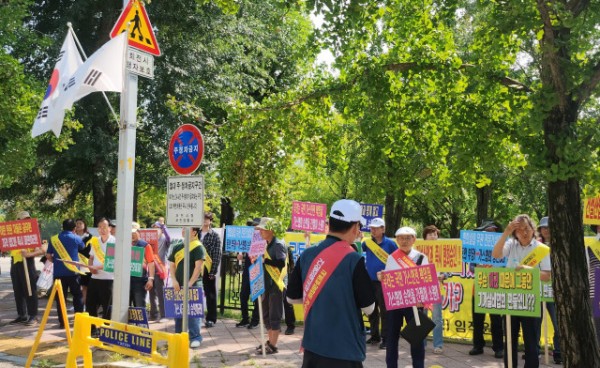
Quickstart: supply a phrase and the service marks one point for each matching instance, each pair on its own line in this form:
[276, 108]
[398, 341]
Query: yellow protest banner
[591, 211]
[446, 254]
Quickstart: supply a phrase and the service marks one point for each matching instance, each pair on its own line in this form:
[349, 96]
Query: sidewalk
[224, 345]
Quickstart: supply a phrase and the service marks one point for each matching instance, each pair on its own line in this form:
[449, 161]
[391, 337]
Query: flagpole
[70, 25]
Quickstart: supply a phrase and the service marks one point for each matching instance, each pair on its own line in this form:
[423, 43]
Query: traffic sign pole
[125, 192]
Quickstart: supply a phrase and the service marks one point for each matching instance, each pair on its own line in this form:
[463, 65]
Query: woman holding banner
[518, 243]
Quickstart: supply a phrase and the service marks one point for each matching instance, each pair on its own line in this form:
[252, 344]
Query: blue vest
[333, 328]
[373, 263]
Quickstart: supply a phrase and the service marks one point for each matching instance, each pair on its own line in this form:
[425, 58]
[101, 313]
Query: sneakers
[373, 340]
[438, 350]
[195, 344]
[382, 345]
[242, 323]
[209, 324]
[476, 351]
[290, 330]
[252, 325]
[18, 320]
[499, 354]
[31, 321]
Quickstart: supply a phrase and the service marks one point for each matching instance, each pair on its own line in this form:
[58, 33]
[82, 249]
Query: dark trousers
[378, 312]
[137, 292]
[27, 305]
[551, 308]
[70, 284]
[245, 295]
[478, 327]
[395, 321]
[157, 299]
[99, 294]
[210, 293]
[290, 317]
[529, 327]
[312, 360]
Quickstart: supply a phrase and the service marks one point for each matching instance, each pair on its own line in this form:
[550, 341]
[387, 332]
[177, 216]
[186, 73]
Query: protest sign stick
[509, 342]
[27, 275]
[262, 326]
[416, 314]
[545, 319]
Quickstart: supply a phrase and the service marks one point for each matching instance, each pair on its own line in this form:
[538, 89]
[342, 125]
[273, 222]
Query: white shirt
[515, 253]
[102, 275]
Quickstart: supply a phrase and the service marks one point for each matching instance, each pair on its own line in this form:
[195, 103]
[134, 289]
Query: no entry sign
[186, 149]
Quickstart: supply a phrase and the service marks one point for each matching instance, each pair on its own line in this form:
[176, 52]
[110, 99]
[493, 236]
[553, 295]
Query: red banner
[20, 234]
[150, 236]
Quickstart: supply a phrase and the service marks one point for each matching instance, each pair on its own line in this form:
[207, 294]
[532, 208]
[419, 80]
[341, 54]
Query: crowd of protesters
[350, 286]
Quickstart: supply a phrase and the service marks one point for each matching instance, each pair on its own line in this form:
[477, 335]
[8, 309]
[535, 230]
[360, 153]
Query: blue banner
[174, 303]
[238, 238]
[136, 342]
[478, 246]
[257, 279]
[138, 317]
[369, 212]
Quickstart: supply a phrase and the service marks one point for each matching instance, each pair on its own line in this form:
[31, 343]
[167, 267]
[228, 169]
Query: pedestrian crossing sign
[134, 20]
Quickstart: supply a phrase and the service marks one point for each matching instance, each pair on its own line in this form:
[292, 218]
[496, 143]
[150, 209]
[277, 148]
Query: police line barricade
[129, 340]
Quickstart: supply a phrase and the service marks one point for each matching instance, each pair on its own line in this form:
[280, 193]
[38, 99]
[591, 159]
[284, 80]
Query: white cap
[347, 210]
[406, 231]
[23, 215]
[377, 222]
[135, 227]
[264, 222]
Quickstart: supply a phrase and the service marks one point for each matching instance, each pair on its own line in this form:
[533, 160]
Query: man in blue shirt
[376, 251]
[65, 247]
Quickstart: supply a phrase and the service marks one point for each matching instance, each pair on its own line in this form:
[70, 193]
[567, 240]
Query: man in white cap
[377, 249]
[331, 280]
[404, 257]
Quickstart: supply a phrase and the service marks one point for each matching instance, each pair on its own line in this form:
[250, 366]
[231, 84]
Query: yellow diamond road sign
[134, 20]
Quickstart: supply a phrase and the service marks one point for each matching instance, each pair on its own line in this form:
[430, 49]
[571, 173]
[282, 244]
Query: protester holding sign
[101, 284]
[65, 247]
[212, 243]
[275, 270]
[331, 280]
[523, 251]
[377, 249]
[544, 237]
[25, 298]
[196, 261]
[431, 232]
[139, 285]
[404, 257]
[488, 226]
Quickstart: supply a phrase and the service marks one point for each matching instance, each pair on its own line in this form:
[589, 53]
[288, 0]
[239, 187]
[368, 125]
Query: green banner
[547, 292]
[137, 260]
[506, 291]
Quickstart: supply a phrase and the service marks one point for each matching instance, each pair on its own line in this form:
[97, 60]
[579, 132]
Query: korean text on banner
[591, 211]
[307, 216]
[478, 246]
[174, 303]
[257, 279]
[507, 291]
[369, 212]
[258, 245]
[445, 254]
[238, 238]
[408, 287]
[20, 234]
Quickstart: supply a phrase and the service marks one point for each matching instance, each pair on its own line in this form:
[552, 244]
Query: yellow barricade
[124, 340]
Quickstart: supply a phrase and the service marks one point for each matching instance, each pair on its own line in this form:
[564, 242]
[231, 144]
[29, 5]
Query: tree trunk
[569, 266]
[394, 212]
[104, 201]
[569, 276]
[484, 196]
